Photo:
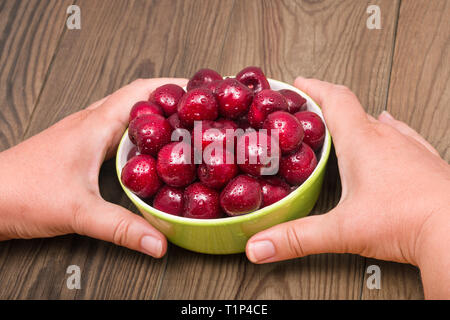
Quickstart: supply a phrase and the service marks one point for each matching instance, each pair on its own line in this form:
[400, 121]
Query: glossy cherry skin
[201, 202]
[234, 98]
[133, 153]
[151, 132]
[174, 166]
[313, 127]
[169, 200]
[202, 78]
[253, 78]
[241, 195]
[295, 101]
[213, 85]
[197, 104]
[215, 172]
[252, 152]
[273, 189]
[139, 175]
[167, 97]
[144, 107]
[174, 121]
[264, 103]
[227, 124]
[296, 167]
[290, 130]
[205, 137]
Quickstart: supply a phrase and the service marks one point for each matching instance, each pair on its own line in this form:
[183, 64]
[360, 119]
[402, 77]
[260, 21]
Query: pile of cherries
[163, 172]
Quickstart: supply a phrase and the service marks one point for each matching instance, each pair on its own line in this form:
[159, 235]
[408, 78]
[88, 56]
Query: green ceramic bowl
[230, 235]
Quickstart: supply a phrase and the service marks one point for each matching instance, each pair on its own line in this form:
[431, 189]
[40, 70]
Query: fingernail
[261, 250]
[387, 115]
[152, 246]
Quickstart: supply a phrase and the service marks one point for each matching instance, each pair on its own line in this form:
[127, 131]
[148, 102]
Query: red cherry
[273, 190]
[298, 166]
[234, 98]
[139, 175]
[264, 103]
[174, 165]
[212, 131]
[201, 202]
[253, 78]
[213, 85]
[290, 130]
[242, 195]
[254, 150]
[151, 132]
[227, 124]
[174, 121]
[167, 97]
[313, 127]
[197, 104]
[144, 107]
[169, 200]
[295, 101]
[132, 153]
[216, 171]
[202, 78]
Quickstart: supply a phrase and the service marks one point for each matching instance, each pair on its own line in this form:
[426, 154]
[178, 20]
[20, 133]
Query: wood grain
[327, 40]
[418, 95]
[29, 36]
[48, 72]
[119, 41]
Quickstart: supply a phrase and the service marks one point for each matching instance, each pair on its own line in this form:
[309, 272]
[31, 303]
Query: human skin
[49, 183]
[395, 202]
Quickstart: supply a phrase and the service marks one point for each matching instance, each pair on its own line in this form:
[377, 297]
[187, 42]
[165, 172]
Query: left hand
[49, 183]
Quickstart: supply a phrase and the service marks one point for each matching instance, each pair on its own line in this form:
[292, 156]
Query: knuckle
[120, 233]
[294, 241]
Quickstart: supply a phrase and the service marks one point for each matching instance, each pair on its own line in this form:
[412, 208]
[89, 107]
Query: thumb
[106, 221]
[298, 238]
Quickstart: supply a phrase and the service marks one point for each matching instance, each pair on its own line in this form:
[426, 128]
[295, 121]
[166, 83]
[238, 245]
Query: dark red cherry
[169, 200]
[196, 105]
[175, 166]
[264, 103]
[167, 97]
[295, 101]
[255, 152]
[296, 167]
[273, 190]
[290, 130]
[202, 78]
[234, 98]
[201, 202]
[151, 132]
[144, 107]
[253, 78]
[139, 175]
[132, 153]
[313, 127]
[241, 195]
[215, 172]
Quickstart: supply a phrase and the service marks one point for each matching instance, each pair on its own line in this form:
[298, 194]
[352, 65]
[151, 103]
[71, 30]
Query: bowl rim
[141, 204]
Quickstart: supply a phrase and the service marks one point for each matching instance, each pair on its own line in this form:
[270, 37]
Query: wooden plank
[29, 36]
[118, 42]
[419, 95]
[327, 40]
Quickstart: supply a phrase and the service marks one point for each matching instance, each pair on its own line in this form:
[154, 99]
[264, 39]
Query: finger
[386, 118]
[119, 104]
[97, 104]
[109, 222]
[341, 108]
[298, 238]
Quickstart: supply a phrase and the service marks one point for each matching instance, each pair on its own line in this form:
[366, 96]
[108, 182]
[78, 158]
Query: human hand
[395, 191]
[50, 182]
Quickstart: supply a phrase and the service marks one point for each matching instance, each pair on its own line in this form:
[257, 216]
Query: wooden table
[48, 71]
